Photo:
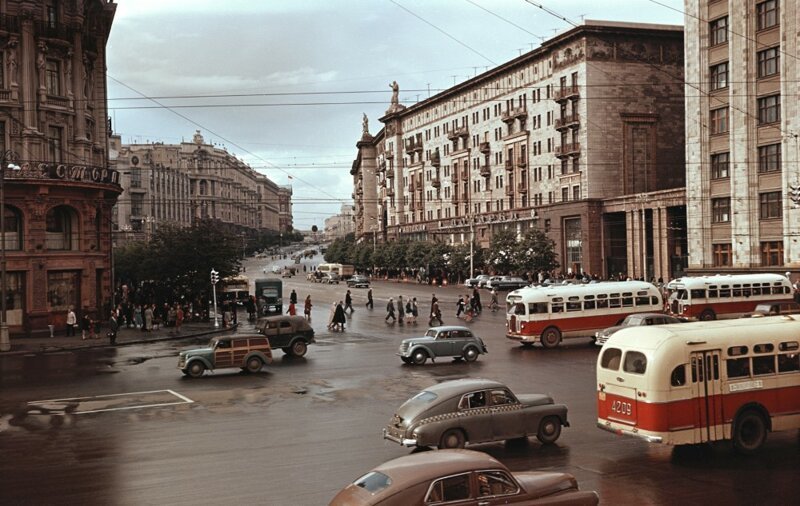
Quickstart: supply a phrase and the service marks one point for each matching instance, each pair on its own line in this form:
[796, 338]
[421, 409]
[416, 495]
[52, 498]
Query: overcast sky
[282, 84]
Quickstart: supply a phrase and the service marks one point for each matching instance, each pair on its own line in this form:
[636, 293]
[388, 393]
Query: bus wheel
[749, 432]
[707, 315]
[551, 337]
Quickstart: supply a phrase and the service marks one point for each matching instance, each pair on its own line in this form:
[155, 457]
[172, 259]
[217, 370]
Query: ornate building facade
[743, 135]
[59, 190]
[581, 137]
[180, 183]
[339, 225]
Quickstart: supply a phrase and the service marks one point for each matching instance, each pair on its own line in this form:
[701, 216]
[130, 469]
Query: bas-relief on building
[742, 127]
[181, 183]
[582, 137]
[60, 191]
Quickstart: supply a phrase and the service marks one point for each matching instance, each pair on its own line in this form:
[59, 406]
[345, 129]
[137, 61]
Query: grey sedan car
[454, 413]
[445, 341]
[636, 320]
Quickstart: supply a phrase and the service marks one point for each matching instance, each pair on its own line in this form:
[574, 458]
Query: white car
[276, 269]
[478, 281]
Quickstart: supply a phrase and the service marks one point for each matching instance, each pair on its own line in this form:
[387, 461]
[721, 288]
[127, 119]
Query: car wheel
[549, 430]
[299, 348]
[551, 337]
[254, 364]
[749, 432]
[471, 354]
[453, 438]
[419, 357]
[196, 369]
[707, 315]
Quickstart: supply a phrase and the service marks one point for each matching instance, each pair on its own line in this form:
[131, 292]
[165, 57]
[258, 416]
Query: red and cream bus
[705, 381]
[547, 314]
[727, 296]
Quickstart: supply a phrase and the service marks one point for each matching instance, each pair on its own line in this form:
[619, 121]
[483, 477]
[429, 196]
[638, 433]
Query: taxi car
[250, 353]
[454, 413]
[292, 334]
[445, 341]
[460, 477]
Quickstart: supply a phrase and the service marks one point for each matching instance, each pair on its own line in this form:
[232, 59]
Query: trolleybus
[236, 289]
[547, 314]
[703, 381]
[725, 296]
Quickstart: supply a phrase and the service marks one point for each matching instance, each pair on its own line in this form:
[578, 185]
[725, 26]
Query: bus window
[537, 307]
[737, 290]
[713, 292]
[635, 362]
[613, 300]
[602, 301]
[557, 307]
[642, 301]
[756, 289]
[682, 295]
[764, 365]
[678, 376]
[725, 291]
[611, 359]
[789, 346]
[518, 309]
[738, 367]
[789, 362]
[627, 299]
[589, 302]
[735, 351]
[777, 290]
[574, 304]
[764, 348]
[746, 291]
[698, 293]
[654, 301]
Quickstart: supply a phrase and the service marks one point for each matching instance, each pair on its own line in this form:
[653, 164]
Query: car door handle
[483, 503]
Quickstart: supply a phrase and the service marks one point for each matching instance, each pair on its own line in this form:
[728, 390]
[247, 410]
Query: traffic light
[214, 277]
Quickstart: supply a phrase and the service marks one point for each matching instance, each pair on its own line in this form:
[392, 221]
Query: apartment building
[581, 137]
[339, 225]
[180, 183]
[742, 129]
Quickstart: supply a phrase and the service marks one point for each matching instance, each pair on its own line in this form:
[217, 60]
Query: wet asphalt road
[300, 430]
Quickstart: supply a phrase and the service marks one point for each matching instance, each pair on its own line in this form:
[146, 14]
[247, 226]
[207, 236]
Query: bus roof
[728, 279]
[712, 333]
[539, 293]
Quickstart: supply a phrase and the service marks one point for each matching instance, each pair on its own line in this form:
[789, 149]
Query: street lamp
[5, 342]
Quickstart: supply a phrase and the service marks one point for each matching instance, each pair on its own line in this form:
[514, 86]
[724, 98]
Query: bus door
[707, 395]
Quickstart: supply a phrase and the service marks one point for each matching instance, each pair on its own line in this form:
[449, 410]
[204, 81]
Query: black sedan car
[358, 281]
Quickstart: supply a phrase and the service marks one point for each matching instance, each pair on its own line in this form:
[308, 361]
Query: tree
[503, 251]
[536, 252]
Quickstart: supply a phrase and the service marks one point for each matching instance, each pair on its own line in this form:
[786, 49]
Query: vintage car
[460, 477]
[454, 413]
[292, 334]
[478, 281]
[506, 283]
[636, 320]
[250, 353]
[358, 281]
[773, 309]
[445, 341]
[331, 278]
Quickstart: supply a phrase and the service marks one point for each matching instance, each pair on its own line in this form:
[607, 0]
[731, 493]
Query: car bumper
[398, 439]
[628, 432]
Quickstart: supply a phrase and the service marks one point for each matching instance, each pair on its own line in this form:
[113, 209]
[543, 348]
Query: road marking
[111, 402]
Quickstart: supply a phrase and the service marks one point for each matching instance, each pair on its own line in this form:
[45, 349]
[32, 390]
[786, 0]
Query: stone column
[28, 76]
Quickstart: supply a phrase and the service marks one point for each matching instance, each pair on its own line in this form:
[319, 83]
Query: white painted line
[104, 396]
[176, 394]
[183, 400]
[128, 407]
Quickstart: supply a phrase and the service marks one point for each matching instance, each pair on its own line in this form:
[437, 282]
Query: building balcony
[389, 174]
[465, 174]
[454, 199]
[566, 150]
[389, 191]
[509, 165]
[411, 146]
[388, 155]
[522, 162]
[571, 120]
[522, 187]
[565, 93]
[436, 182]
[458, 132]
[510, 189]
[436, 160]
[411, 188]
[485, 148]
[418, 186]
[510, 115]
[57, 101]
[382, 166]
[486, 171]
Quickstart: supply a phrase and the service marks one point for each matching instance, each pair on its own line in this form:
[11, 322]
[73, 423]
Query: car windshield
[431, 333]
[373, 482]
[633, 320]
[423, 397]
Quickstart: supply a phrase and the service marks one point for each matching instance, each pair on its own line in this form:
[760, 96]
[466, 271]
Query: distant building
[743, 136]
[60, 191]
[581, 138]
[181, 183]
[339, 225]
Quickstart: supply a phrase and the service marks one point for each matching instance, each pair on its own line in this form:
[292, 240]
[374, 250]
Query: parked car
[454, 413]
[773, 309]
[636, 320]
[250, 353]
[460, 477]
[446, 341]
[508, 283]
[287, 273]
[488, 283]
[358, 281]
[292, 334]
[331, 278]
[478, 281]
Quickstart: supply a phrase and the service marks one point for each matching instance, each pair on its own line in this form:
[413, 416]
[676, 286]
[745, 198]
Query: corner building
[59, 191]
[742, 135]
[581, 137]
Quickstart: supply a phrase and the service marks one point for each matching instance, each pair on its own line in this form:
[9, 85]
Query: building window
[52, 80]
[576, 192]
[718, 31]
[13, 228]
[572, 240]
[62, 229]
[719, 120]
[767, 14]
[63, 290]
[768, 61]
[769, 158]
[719, 76]
[564, 194]
[772, 253]
[769, 109]
[55, 144]
[719, 165]
[770, 205]
[721, 210]
[722, 255]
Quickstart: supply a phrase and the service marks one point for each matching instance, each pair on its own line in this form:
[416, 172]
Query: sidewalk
[125, 337]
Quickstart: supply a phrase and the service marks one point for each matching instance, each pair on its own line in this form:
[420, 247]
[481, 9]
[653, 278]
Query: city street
[123, 426]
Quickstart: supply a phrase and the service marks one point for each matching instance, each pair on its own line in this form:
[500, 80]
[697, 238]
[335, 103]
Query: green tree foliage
[502, 256]
[535, 252]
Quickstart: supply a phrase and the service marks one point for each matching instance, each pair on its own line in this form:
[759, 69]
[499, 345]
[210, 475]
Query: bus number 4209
[623, 408]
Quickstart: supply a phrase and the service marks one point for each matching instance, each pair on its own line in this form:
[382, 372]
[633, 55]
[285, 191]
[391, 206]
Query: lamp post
[5, 342]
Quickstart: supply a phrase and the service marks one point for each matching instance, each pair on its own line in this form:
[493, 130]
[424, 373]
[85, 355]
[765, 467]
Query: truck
[343, 270]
